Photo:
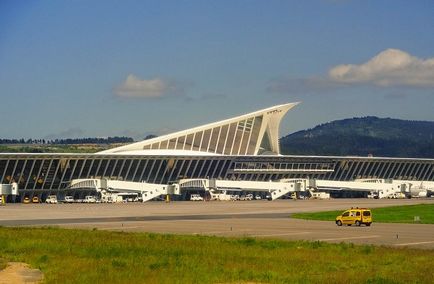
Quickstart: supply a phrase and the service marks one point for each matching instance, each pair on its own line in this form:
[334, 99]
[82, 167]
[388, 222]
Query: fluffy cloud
[134, 87]
[391, 67]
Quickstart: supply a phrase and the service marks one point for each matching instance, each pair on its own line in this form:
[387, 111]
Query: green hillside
[364, 136]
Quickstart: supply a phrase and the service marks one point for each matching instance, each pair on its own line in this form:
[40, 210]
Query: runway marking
[417, 243]
[120, 228]
[350, 238]
[282, 234]
[223, 232]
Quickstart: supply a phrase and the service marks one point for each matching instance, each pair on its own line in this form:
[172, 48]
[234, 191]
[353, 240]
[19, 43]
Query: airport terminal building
[243, 148]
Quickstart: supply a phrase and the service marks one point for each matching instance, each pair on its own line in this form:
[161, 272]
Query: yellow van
[357, 216]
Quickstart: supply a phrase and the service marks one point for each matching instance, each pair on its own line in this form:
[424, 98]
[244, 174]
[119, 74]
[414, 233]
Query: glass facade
[53, 172]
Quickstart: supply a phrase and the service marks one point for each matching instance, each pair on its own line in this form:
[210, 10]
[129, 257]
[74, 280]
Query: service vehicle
[51, 199]
[89, 199]
[26, 200]
[196, 197]
[68, 199]
[35, 199]
[356, 216]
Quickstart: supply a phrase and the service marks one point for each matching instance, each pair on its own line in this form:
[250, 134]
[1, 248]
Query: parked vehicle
[35, 199]
[89, 199]
[68, 199]
[52, 199]
[320, 195]
[357, 216]
[235, 197]
[196, 197]
[26, 200]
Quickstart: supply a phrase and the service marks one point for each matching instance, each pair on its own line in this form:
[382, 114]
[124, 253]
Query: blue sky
[106, 68]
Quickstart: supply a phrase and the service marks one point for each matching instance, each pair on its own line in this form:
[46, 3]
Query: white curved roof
[249, 134]
[166, 152]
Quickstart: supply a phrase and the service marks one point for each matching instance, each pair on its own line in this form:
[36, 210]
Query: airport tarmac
[264, 219]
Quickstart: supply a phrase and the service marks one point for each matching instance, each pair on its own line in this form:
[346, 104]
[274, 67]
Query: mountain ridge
[364, 136]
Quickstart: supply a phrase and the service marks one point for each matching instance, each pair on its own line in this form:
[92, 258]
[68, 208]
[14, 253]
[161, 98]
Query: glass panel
[110, 168]
[154, 170]
[198, 168]
[189, 142]
[8, 175]
[139, 170]
[205, 140]
[197, 139]
[147, 172]
[125, 169]
[238, 136]
[102, 168]
[191, 168]
[164, 144]
[78, 168]
[33, 175]
[180, 144]
[254, 135]
[222, 139]
[117, 169]
[172, 144]
[213, 141]
[230, 139]
[132, 170]
[243, 149]
[160, 172]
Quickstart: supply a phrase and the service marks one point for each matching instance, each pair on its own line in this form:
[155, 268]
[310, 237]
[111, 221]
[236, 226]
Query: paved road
[256, 219]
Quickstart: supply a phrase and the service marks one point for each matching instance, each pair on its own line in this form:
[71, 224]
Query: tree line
[88, 140]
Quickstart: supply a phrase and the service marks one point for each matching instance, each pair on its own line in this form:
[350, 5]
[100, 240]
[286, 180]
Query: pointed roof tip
[290, 104]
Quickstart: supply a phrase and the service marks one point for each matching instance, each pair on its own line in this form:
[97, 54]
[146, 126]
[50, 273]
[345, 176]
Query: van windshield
[366, 213]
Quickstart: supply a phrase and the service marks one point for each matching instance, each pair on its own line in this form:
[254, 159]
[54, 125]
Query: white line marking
[222, 232]
[418, 243]
[119, 228]
[282, 234]
[350, 238]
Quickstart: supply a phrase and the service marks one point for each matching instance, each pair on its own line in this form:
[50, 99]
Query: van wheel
[358, 223]
[339, 223]
[368, 224]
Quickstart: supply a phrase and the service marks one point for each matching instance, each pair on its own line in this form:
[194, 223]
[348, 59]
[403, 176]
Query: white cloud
[391, 67]
[134, 87]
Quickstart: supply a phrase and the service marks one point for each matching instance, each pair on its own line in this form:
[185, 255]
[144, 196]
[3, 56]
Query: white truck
[68, 199]
[89, 199]
[52, 199]
[196, 197]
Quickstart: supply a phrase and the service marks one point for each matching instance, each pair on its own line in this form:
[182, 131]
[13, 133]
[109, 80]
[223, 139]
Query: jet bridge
[276, 189]
[146, 190]
[382, 188]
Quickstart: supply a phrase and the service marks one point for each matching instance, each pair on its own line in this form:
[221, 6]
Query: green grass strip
[93, 256]
[395, 214]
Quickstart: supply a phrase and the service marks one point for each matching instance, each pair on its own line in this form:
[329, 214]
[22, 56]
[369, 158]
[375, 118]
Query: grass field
[55, 148]
[395, 214]
[92, 256]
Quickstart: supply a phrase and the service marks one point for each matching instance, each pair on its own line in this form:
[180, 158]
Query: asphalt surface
[262, 219]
